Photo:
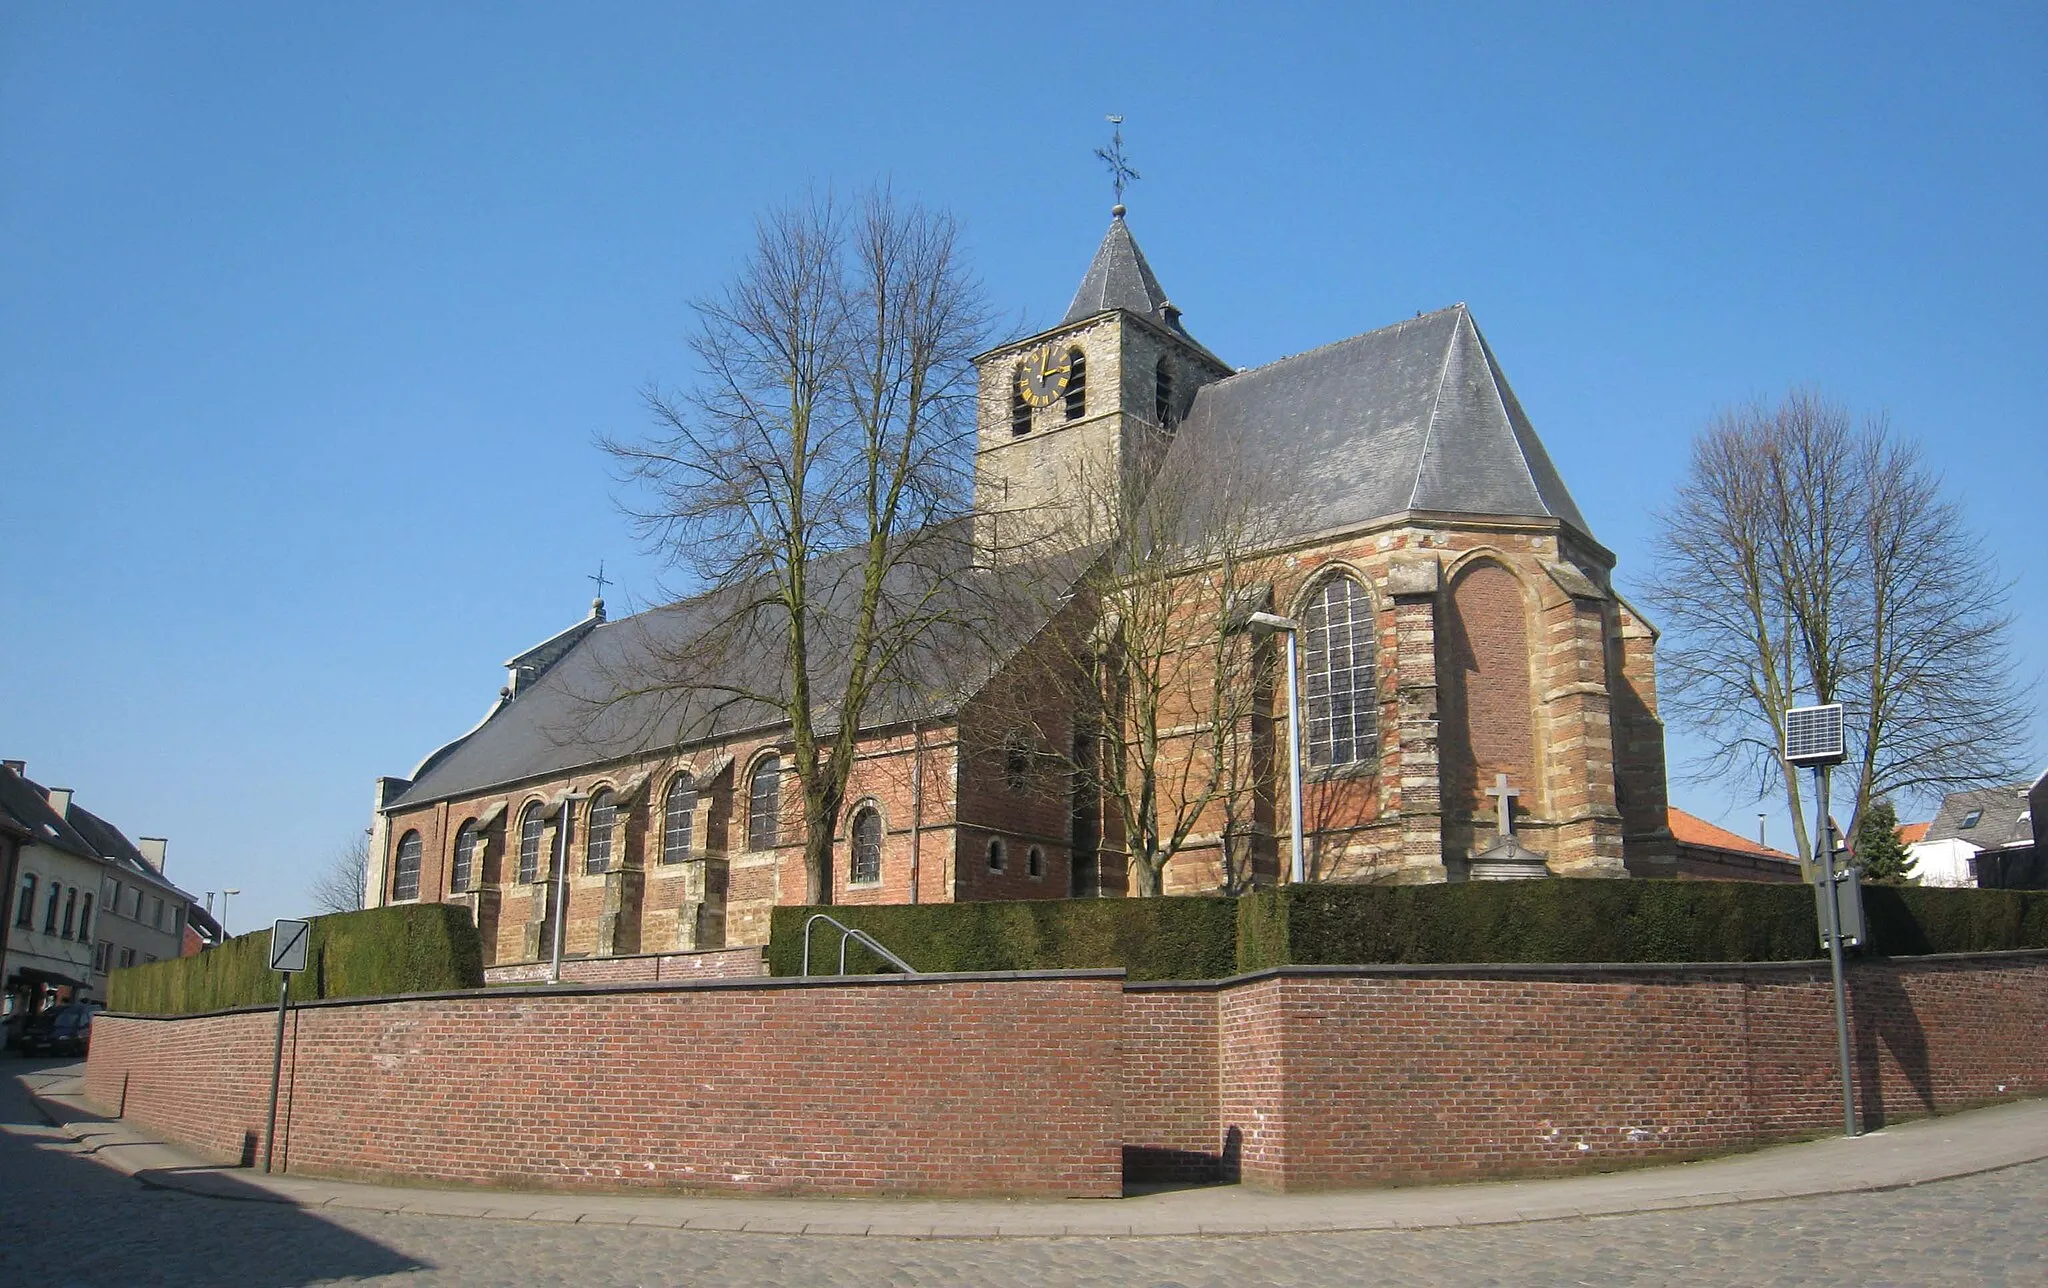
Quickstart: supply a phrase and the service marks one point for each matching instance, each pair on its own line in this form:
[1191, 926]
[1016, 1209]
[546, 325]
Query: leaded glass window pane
[764, 805]
[405, 883]
[1341, 708]
[529, 843]
[679, 817]
[597, 848]
[867, 847]
[464, 873]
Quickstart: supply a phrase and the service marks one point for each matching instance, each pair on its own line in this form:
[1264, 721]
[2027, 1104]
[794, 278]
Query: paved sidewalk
[1908, 1154]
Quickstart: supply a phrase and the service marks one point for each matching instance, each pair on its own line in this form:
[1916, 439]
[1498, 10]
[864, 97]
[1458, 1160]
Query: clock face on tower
[1043, 378]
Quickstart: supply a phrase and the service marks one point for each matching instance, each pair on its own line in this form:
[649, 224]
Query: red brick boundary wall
[1073, 1082]
[640, 968]
[933, 1084]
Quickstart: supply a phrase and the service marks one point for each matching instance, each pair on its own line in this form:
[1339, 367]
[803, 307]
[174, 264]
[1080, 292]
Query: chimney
[152, 848]
[60, 800]
[20, 767]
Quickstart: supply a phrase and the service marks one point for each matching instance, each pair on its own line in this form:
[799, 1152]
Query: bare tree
[1151, 670]
[806, 485]
[1809, 559]
[339, 886]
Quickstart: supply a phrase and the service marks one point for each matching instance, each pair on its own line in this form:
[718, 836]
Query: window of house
[1341, 707]
[70, 912]
[597, 845]
[995, 856]
[135, 914]
[679, 818]
[1020, 410]
[405, 882]
[1077, 384]
[112, 891]
[156, 912]
[51, 908]
[85, 920]
[1162, 393]
[867, 848]
[127, 957]
[25, 902]
[529, 842]
[764, 805]
[1971, 819]
[463, 873]
[1034, 862]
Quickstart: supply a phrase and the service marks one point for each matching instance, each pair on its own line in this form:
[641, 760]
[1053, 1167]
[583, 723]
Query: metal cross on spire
[1120, 172]
[601, 580]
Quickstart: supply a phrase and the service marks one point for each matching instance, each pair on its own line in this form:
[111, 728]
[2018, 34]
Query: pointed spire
[1121, 279]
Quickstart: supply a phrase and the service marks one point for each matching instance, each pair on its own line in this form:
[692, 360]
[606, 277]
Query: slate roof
[559, 722]
[110, 844]
[1119, 278]
[30, 807]
[1416, 416]
[2003, 822]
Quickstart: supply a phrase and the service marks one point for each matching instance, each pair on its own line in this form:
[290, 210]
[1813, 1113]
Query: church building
[1463, 652]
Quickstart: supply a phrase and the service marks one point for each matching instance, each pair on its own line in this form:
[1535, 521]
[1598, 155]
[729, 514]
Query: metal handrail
[846, 933]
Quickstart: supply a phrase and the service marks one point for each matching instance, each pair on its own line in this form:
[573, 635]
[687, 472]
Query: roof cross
[1504, 816]
[1120, 171]
[601, 580]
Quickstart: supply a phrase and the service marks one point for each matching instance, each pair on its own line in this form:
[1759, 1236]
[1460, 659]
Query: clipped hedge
[1176, 938]
[410, 948]
[1561, 920]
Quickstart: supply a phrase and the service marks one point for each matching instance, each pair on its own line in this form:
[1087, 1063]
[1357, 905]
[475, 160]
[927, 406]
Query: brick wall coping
[492, 991]
[762, 949]
[1486, 970]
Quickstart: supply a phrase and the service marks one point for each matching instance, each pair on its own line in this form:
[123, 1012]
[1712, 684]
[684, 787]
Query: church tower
[1071, 418]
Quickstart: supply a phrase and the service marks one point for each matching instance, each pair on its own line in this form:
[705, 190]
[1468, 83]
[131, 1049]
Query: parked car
[62, 1030]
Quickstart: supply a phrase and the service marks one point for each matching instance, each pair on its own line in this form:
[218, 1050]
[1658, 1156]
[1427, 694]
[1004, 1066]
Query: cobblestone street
[78, 1222]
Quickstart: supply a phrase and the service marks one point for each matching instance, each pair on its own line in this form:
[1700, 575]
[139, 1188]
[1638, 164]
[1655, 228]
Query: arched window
[529, 842]
[25, 902]
[1162, 393]
[85, 920]
[463, 875]
[70, 912]
[597, 848]
[995, 856]
[1034, 862]
[405, 882]
[1077, 384]
[50, 909]
[764, 805]
[1020, 409]
[1342, 706]
[867, 848]
[679, 816]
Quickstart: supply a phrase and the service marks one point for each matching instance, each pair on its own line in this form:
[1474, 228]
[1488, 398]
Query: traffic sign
[288, 943]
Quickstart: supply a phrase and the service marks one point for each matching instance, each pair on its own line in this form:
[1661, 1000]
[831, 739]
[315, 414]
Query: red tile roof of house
[1689, 829]
[1909, 833]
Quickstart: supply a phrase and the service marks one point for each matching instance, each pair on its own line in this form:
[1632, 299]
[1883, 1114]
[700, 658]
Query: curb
[1924, 1151]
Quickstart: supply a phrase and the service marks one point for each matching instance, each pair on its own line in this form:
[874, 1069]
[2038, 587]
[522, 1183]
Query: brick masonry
[941, 1085]
[641, 968]
[1292, 1080]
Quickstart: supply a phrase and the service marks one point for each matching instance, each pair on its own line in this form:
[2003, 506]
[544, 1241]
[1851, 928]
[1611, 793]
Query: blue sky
[309, 314]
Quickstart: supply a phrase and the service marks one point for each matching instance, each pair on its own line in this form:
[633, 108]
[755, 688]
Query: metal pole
[284, 984]
[1294, 756]
[1825, 842]
[561, 883]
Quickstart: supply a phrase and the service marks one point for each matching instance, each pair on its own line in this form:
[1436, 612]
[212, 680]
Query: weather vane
[1120, 172]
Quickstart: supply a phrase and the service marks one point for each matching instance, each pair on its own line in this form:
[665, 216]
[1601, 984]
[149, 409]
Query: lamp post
[225, 895]
[568, 814]
[1272, 624]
